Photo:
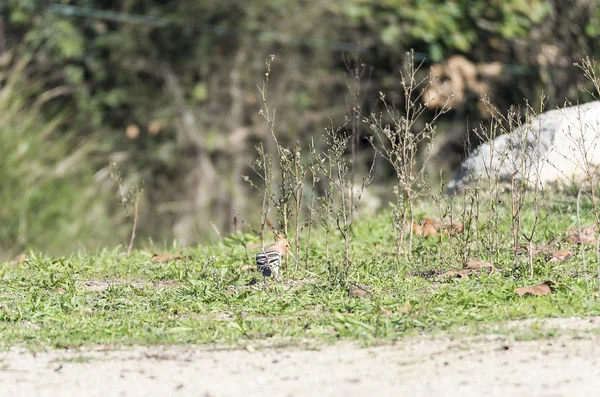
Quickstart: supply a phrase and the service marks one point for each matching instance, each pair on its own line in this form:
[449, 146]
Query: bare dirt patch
[490, 365]
[102, 285]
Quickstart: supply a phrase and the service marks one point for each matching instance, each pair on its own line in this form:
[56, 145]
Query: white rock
[553, 148]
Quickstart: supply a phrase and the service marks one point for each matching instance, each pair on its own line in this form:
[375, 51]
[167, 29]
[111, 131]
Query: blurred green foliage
[49, 196]
[115, 67]
[446, 26]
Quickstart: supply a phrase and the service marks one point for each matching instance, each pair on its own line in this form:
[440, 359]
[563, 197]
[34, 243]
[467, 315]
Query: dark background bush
[167, 90]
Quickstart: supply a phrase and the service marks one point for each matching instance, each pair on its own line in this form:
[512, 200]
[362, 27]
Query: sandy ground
[491, 365]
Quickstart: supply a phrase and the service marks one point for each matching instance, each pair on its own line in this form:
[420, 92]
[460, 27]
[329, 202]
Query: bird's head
[283, 245]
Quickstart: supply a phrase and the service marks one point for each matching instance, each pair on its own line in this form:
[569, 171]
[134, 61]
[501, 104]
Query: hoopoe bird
[268, 260]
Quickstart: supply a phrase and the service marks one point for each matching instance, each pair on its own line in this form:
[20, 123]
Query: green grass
[108, 298]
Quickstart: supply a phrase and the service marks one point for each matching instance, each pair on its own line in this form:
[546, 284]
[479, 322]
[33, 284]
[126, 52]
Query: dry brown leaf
[580, 238]
[162, 258]
[19, 259]
[432, 228]
[356, 292]
[542, 289]
[429, 228]
[417, 229]
[560, 255]
[586, 236]
[461, 273]
[248, 268]
[424, 230]
[478, 265]
[472, 266]
[452, 228]
[386, 312]
[405, 309]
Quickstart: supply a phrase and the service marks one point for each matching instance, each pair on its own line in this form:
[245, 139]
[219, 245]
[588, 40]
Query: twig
[135, 219]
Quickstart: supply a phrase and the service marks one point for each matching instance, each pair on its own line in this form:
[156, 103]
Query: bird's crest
[278, 237]
[281, 242]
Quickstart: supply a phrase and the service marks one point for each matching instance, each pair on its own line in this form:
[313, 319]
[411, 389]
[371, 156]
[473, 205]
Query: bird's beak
[293, 257]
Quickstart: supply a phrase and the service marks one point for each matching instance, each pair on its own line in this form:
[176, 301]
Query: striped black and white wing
[268, 262]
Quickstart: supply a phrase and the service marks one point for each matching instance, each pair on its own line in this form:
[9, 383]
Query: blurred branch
[56, 92]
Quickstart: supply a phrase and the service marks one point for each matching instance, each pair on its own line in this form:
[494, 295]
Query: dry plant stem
[262, 167]
[584, 148]
[334, 168]
[536, 222]
[266, 111]
[517, 199]
[249, 226]
[589, 66]
[530, 257]
[297, 221]
[472, 219]
[354, 89]
[355, 71]
[328, 206]
[270, 116]
[343, 226]
[514, 217]
[266, 177]
[596, 212]
[408, 91]
[216, 229]
[491, 201]
[489, 135]
[517, 157]
[135, 220]
[530, 163]
[468, 218]
[292, 171]
[310, 221]
[440, 200]
[235, 225]
[292, 174]
[579, 227]
[314, 171]
[127, 197]
[298, 171]
[591, 173]
[536, 168]
[518, 181]
[598, 253]
[399, 143]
